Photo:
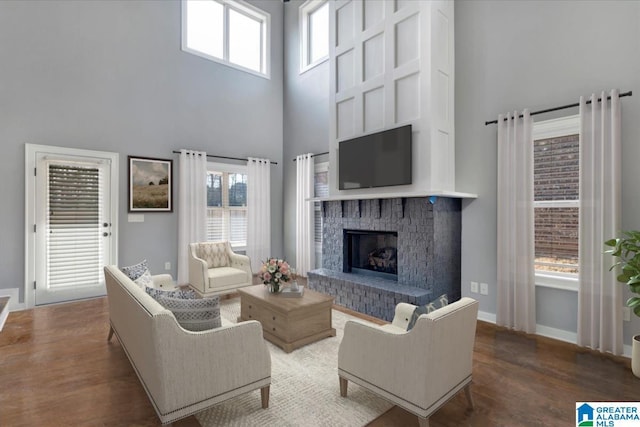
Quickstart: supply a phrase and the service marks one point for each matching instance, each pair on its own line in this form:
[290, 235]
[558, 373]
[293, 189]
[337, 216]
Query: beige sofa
[214, 269]
[418, 370]
[185, 372]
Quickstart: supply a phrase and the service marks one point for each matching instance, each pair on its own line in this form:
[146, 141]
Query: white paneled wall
[392, 64]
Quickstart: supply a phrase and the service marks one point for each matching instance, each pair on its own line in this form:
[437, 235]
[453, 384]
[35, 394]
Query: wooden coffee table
[286, 322]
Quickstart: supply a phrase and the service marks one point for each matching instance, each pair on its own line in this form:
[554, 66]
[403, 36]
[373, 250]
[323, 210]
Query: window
[314, 33]
[556, 198]
[321, 189]
[227, 205]
[231, 32]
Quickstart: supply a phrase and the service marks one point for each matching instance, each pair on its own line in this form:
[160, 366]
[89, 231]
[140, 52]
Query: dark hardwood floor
[57, 369]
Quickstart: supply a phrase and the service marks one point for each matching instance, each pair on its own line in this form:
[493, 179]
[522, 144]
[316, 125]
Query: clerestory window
[231, 32]
[314, 33]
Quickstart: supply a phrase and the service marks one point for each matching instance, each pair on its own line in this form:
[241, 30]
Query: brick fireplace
[426, 241]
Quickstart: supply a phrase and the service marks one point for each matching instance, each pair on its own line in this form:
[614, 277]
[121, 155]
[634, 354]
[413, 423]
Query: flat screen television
[377, 160]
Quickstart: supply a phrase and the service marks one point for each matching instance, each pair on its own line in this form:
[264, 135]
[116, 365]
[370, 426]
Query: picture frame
[150, 184]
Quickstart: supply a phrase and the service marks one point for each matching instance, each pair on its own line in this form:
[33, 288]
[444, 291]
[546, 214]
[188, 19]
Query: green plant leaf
[623, 278]
[611, 242]
[626, 248]
[633, 280]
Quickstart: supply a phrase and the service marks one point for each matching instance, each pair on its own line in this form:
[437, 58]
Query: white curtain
[516, 279]
[305, 249]
[258, 211]
[599, 303]
[192, 206]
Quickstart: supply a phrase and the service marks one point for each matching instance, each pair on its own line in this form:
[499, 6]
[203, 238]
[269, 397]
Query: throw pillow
[176, 293]
[144, 280]
[136, 270]
[197, 314]
[437, 303]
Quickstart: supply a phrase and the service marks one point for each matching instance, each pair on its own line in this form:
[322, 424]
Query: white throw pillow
[136, 270]
[144, 280]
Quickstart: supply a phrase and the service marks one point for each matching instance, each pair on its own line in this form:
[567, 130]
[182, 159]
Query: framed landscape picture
[150, 185]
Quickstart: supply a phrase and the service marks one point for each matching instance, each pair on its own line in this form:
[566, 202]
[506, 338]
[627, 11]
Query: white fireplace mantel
[436, 193]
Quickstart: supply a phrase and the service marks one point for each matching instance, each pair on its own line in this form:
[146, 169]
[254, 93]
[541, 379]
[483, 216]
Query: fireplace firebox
[371, 253]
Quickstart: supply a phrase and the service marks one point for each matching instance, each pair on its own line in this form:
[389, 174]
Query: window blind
[226, 208]
[74, 250]
[320, 189]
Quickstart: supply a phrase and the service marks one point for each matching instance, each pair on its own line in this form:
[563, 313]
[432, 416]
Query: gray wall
[306, 117]
[515, 55]
[110, 75]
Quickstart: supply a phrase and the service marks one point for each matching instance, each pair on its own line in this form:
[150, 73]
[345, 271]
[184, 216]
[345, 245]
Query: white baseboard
[14, 294]
[546, 331]
[487, 317]
[557, 334]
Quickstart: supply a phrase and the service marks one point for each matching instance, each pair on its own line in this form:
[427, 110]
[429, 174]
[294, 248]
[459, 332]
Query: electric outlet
[167, 265]
[626, 314]
[474, 287]
[484, 289]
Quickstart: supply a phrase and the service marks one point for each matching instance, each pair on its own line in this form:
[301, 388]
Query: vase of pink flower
[274, 274]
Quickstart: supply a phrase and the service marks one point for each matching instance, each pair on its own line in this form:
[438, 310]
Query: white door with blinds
[74, 232]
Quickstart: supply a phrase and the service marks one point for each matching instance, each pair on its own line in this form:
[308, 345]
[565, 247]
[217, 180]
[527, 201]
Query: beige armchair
[418, 370]
[215, 269]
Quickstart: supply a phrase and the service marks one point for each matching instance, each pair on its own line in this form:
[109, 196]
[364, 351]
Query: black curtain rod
[313, 155]
[564, 107]
[225, 157]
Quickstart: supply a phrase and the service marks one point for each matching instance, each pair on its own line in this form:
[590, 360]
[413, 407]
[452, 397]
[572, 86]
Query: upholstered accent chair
[418, 370]
[214, 268]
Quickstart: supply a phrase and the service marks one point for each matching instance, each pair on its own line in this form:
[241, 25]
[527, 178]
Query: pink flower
[275, 270]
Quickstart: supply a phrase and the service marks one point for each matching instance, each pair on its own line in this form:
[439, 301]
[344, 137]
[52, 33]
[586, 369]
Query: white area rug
[304, 388]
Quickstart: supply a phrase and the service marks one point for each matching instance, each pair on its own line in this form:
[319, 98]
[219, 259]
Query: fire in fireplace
[372, 253]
